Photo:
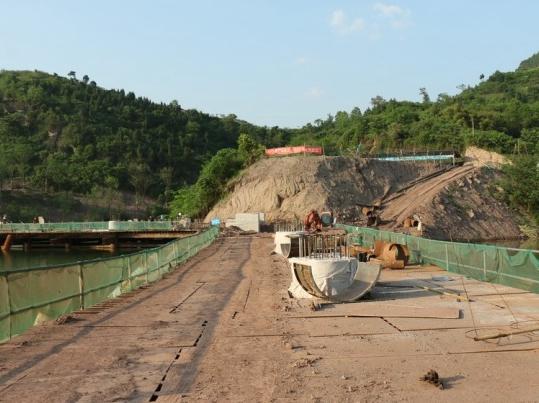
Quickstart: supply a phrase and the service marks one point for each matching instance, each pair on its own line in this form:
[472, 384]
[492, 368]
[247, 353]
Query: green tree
[249, 150]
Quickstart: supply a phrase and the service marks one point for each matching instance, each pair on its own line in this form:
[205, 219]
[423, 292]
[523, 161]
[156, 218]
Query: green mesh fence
[28, 297]
[517, 268]
[89, 226]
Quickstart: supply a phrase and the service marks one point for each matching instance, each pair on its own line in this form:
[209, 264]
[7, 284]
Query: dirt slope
[286, 188]
[456, 203]
[460, 204]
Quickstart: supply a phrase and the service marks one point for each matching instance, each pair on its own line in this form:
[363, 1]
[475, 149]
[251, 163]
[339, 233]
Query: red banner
[272, 152]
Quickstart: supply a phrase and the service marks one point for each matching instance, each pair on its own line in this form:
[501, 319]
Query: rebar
[287, 226]
[322, 246]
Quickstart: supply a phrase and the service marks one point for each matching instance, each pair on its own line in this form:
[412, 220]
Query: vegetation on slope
[198, 199]
[530, 63]
[501, 114]
[61, 134]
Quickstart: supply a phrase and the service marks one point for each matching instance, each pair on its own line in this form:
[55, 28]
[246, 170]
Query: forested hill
[500, 113]
[69, 134]
[530, 63]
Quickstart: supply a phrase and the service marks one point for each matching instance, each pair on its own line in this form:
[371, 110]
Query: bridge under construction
[210, 317]
[222, 326]
[108, 235]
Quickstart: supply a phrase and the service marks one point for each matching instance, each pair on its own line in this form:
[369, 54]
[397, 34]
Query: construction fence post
[81, 286]
[130, 285]
[484, 265]
[446, 257]
[147, 267]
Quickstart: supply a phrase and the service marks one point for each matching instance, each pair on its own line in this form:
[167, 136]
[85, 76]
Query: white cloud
[340, 23]
[388, 10]
[398, 17]
[338, 19]
[314, 93]
[301, 60]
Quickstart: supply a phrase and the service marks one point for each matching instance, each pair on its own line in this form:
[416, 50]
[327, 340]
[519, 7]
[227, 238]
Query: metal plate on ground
[377, 309]
[320, 327]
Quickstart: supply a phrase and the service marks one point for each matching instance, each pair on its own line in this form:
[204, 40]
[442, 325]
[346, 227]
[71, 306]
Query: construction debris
[65, 319]
[391, 255]
[433, 378]
[506, 334]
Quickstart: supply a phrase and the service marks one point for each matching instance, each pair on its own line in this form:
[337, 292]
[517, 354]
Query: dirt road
[408, 202]
[222, 328]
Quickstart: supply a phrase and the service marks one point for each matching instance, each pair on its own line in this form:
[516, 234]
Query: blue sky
[273, 62]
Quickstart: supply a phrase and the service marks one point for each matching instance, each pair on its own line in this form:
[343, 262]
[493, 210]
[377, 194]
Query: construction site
[329, 279]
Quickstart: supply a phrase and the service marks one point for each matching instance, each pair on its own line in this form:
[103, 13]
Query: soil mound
[479, 157]
[458, 203]
[287, 188]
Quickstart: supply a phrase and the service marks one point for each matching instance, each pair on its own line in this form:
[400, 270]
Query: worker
[312, 222]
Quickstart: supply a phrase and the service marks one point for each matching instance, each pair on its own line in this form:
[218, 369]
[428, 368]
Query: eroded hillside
[457, 203]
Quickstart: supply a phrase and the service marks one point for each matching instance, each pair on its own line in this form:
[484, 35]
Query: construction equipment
[372, 216]
[391, 255]
[312, 222]
[327, 219]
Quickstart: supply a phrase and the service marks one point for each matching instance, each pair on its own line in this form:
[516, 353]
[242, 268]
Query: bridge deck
[222, 328]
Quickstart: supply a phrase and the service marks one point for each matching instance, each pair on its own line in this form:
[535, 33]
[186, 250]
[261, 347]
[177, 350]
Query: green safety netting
[28, 297]
[89, 226]
[517, 268]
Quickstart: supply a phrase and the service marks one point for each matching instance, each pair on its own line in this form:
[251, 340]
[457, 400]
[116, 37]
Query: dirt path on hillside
[223, 328]
[399, 208]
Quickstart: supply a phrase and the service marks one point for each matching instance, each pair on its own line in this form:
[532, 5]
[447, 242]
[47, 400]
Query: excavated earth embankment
[457, 203]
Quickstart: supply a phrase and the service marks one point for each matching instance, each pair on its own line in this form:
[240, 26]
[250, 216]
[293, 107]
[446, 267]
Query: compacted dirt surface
[223, 328]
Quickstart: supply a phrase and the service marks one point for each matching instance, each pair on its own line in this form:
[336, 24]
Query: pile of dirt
[286, 188]
[458, 203]
[469, 208]
[479, 158]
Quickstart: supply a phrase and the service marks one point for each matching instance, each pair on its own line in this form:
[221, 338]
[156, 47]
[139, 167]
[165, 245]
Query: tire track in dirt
[401, 207]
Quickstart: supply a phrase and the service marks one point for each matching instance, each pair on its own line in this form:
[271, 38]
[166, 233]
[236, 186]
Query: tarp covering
[517, 268]
[31, 296]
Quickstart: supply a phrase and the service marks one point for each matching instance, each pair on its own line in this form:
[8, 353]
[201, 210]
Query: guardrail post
[175, 248]
[158, 263]
[147, 267]
[81, 287]
[9, 306]
[129, 273]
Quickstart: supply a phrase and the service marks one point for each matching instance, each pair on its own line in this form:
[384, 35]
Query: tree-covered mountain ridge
[65, 134]
[70, 135]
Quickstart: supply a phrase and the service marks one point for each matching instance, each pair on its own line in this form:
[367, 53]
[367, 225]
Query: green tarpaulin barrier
[517, 268]
[31, 296]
